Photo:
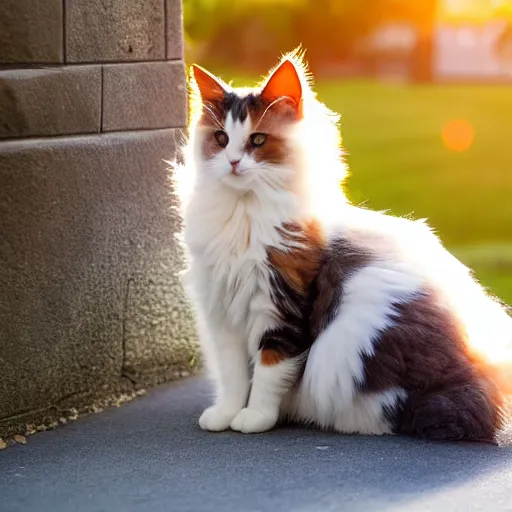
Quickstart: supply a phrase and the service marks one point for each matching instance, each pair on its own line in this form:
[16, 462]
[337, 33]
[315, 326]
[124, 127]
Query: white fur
[231, 221]
[232, 379]
[270, 385]
[238, 134]
[363, 415]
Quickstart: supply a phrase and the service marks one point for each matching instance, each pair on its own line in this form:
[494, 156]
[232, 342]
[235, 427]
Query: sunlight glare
[458, 135]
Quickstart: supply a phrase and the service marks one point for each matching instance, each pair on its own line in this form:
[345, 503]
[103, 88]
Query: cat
[313, 310]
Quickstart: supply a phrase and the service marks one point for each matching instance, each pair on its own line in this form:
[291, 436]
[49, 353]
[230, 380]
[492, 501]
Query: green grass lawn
[398, 162]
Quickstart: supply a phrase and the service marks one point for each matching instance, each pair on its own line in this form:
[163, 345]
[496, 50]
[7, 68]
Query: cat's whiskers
[215, 118]
[281, 98]
[270, 181]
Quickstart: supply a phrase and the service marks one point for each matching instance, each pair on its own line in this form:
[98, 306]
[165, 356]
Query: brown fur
[307, 285]
[272, 122]
[299, 266]
[271, 357]
[274, 151]
[210, 145]
[292, 274]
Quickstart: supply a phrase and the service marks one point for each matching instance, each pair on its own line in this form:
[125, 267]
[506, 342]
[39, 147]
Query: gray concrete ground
[151, 455]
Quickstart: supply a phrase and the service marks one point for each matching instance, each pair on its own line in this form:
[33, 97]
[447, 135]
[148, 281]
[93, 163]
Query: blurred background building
[473, 40]
[427, 39]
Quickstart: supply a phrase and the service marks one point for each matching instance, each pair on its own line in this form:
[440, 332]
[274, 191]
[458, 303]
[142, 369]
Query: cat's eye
[258, 139]
[222, 138]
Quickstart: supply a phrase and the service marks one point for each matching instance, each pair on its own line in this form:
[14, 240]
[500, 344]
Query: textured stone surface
[174, 29]
[149, 95]
[31, 31]
[54, 101]
[117, 30]
[88, 274]
[159, 325]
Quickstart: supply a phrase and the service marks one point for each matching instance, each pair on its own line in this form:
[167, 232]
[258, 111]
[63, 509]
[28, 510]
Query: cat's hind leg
[468, 411]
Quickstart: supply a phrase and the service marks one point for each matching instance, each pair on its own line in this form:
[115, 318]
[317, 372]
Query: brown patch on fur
[270, 120]
[299, 265]
[305, 307]
[274, 122]
[210, 145]
[292, 273]
[271, 357]
[274, 151]
[213, 114]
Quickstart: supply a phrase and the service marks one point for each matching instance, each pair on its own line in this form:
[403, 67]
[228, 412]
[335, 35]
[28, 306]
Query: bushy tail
[502, 373]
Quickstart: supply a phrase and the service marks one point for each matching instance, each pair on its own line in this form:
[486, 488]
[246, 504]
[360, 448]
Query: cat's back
[383, 261]
[408, 247]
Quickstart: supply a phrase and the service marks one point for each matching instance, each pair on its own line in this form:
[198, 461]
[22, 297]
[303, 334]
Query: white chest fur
[228, 238]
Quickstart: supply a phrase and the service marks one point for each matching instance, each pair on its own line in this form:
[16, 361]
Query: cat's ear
[284, 82]
[210, 87]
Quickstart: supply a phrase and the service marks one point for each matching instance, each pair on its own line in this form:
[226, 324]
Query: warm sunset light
[458, 135]
[474, 10]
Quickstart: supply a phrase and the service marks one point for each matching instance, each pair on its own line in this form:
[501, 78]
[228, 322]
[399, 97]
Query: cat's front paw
[252, 421]
[217, 418]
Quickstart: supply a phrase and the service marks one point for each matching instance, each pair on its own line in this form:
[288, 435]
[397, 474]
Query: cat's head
[268, 138]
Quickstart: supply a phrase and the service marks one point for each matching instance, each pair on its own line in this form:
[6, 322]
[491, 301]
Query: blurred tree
[250, 33]
[423, 61]
[224, 32]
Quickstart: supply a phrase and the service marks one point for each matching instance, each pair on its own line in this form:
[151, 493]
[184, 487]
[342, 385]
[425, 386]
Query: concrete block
[31, 31]
[144, 95]
[89, 270]
[117, 30]
[50, 101]
[174, 13]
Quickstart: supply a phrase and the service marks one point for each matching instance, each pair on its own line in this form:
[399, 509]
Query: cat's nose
[234, 167]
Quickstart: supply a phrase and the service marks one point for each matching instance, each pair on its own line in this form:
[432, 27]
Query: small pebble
[20, 439]
[323, 448]
[3, 444]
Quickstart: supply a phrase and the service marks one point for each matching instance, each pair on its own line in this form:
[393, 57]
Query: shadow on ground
[151, 455]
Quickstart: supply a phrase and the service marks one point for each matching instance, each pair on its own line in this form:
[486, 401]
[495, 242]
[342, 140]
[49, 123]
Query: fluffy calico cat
[310, 309]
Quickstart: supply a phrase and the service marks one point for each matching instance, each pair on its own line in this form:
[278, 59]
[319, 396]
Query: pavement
[150, 455]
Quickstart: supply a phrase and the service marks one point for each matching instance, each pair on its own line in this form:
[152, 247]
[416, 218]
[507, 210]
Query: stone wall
[92, 99]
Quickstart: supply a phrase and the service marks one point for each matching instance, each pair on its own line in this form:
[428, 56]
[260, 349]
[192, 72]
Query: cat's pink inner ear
[284, 82]
[209, 87]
